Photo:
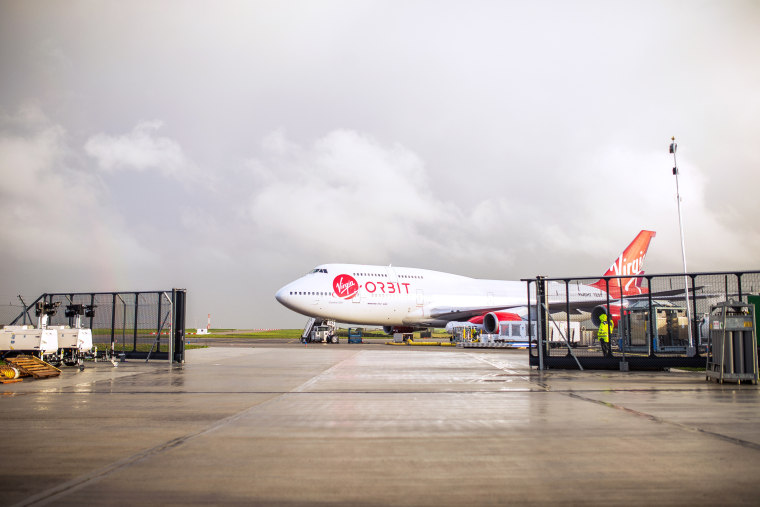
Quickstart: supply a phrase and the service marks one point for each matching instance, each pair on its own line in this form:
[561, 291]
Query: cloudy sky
[228, 147]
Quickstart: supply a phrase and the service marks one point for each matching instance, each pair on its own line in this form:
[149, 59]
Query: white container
[25, 339]
[73, 338]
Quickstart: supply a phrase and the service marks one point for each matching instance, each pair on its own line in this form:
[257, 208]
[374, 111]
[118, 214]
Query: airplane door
[420, 297]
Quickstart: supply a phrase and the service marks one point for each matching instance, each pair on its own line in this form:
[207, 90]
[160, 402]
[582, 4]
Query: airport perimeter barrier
[660, 321]
[144, 324]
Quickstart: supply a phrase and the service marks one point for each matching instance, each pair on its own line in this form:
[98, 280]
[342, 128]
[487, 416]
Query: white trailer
[55, 344]
[28, 339]
[73, 344]
[517, 333]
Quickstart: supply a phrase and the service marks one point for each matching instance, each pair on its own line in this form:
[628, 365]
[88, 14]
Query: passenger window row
[419, 277]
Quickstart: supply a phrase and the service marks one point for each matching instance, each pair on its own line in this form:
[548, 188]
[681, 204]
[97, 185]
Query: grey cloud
[53, 214]
[346, 195]
[492, 139]
[140, 150]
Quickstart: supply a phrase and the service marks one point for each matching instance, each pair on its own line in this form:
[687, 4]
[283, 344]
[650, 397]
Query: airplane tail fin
[630, 265]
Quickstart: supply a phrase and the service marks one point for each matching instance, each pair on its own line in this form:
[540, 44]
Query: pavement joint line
[61, 490]
[66, 488]
[505, 369]
[543, 388]
[316, 377]
[694, 429]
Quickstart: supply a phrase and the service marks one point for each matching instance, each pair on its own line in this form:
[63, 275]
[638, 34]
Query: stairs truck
[319, 331]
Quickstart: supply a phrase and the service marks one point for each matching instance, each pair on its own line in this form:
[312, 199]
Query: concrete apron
[369, 426]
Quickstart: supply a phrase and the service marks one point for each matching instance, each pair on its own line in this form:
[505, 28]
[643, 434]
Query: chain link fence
[659, 321]
[9, 311]
[137, 324]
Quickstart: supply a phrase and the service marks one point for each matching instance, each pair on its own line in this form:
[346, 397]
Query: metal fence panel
[137, 323]
[656, 324]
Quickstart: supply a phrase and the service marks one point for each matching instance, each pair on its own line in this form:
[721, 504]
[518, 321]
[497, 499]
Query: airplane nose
[284, 297]
[280, 295]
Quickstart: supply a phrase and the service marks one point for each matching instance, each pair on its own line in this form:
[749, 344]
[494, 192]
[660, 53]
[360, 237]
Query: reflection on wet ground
[290, 424]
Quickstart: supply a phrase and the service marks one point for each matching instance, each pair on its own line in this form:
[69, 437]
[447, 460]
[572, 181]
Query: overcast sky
[228, 147]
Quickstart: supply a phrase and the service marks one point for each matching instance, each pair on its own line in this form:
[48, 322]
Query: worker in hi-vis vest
[603, 335]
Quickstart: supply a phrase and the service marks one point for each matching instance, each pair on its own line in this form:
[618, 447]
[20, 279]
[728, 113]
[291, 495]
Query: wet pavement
[290, 424]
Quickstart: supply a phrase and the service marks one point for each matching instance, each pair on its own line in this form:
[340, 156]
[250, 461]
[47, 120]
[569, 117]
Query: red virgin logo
[345, 286]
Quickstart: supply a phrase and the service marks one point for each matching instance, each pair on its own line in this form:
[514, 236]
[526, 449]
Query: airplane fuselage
[396, 296]
[391, 296]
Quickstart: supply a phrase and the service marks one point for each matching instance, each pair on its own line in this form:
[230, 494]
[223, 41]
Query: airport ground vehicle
[323, 334]
[318, 331]
[518, 333]
[355, 335]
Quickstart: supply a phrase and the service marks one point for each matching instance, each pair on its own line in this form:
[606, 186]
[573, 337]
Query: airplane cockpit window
[319, 270]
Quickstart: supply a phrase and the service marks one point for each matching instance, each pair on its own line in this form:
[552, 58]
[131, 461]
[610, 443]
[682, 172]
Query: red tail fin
[630, 264]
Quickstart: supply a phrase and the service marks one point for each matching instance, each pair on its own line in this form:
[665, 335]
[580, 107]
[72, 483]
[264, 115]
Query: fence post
[739, 286]
[694, 325]
[179, 299]
[159, 325]
[567, 315]
[652, 321]
[530, 327]
[113, 324]
[134, 331]
[541, 328]
[172, 327]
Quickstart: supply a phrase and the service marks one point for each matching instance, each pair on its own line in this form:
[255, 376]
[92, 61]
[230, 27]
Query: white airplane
[403, 299]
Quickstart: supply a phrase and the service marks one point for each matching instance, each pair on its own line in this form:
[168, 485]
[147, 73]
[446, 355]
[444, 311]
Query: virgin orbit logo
[345, 286]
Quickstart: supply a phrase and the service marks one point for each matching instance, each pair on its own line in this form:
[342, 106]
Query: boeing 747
[403, 299]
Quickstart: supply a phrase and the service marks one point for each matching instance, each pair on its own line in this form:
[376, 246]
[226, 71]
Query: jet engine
[613, 313]
[491, 320]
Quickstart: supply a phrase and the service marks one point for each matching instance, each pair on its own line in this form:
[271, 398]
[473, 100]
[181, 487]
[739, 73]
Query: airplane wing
[450, 313]
[584, 305]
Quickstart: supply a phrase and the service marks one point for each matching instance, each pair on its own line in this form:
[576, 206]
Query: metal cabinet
[732, 355]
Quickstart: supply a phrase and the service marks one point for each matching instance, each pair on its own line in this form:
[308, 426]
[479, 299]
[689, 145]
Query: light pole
[673, 148]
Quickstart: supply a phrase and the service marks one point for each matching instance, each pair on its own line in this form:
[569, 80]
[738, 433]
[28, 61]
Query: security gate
[656, 326]
[144, 324]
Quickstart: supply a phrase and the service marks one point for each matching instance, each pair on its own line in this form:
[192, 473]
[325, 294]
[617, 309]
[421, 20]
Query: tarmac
[288, 424]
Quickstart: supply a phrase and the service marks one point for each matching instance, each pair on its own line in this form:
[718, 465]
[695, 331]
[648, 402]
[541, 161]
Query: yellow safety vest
[603, 333]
